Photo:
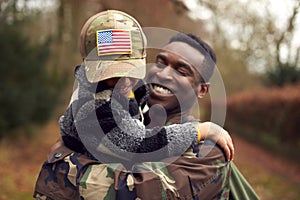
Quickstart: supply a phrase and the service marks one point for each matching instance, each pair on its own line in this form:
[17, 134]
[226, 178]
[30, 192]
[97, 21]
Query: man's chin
[156, 101]
[165, 102]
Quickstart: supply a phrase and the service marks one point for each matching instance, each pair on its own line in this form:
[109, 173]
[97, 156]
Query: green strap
[239, 187]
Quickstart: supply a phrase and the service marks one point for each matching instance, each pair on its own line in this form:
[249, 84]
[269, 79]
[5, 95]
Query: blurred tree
[282, 74]
[172, 14]
[256, 33]
[29, 90]
[287, 69]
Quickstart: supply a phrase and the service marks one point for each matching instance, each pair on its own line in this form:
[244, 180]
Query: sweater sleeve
[127, 134]
[106, 122]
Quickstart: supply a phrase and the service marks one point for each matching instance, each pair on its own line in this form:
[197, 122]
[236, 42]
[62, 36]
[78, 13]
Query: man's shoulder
[60, 152]
[205, 174]
[60, 173]
[209, 149]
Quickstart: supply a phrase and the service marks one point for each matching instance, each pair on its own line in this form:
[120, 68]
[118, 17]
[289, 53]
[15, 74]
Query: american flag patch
[114, 41]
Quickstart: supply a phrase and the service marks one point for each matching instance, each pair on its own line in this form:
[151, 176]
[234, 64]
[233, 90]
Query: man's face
[174, 81]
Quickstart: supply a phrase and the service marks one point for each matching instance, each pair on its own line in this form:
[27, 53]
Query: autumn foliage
[272, 115]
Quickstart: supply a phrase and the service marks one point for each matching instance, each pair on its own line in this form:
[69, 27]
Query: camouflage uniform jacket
[69, 175]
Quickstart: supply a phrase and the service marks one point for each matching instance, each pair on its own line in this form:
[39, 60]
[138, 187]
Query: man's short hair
[207, 69]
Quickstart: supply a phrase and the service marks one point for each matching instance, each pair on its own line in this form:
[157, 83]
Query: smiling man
[86, 164]
[177, 80]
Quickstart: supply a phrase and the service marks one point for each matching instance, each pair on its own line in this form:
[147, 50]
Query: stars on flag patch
[113, 41]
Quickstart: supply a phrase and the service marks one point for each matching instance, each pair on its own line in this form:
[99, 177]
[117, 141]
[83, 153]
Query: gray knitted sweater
[106, 124]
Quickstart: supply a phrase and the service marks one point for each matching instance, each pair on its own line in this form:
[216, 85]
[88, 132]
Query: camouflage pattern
[112, 19]
[58, 178]
[108, 66]
[69, 175]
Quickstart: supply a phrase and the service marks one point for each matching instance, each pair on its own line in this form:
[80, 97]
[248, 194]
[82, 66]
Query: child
[97, 120]
[121, 128]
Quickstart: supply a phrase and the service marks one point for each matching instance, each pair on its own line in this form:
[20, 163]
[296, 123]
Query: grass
[20, 161]
[271, 176]
[269, 185]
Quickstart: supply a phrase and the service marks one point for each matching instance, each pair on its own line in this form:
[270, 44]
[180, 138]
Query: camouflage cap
[113, 45]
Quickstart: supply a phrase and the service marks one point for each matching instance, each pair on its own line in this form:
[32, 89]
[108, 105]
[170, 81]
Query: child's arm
[131, 135]
[127, 134]
[136, 139]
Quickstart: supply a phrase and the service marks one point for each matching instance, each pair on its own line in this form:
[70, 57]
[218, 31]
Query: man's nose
[165, 73]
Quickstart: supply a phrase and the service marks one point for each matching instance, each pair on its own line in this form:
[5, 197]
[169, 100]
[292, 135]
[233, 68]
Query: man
[177, 80]
[188, 177]
[181, 71]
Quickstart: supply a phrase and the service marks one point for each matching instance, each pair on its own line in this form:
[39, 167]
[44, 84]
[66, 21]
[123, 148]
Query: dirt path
[250, 154]
[270, 176]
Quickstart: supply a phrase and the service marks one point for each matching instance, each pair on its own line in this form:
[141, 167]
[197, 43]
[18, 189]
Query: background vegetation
[271, 120]
[257, 45]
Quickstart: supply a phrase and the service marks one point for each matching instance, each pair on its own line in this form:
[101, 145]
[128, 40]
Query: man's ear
[203, 89]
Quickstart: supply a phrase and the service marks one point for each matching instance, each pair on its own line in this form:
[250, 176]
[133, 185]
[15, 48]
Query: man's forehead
[186, 52]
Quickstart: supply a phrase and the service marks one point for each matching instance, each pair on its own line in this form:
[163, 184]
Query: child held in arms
[104, 119]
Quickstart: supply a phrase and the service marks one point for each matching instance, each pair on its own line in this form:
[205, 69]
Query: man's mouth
[161, 90]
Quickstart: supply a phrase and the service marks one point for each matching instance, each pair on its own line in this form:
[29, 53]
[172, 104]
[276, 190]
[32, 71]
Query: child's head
[113, 45]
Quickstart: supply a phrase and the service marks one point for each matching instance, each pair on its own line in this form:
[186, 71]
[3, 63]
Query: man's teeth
[161, 90]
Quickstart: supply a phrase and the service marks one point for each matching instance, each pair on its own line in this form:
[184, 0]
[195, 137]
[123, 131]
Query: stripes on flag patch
[114, 41]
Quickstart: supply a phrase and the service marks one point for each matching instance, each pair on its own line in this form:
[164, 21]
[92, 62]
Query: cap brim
[99, 70]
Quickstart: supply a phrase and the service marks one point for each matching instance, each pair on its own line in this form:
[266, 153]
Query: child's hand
[219, 135]
[123, 85]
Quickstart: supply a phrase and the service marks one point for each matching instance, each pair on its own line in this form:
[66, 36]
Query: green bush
[281, 75]
[272, 116]
[28, 91]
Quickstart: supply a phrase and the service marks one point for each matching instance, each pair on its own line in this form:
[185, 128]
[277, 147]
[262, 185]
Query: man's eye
[182, 72]
[160, 65]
